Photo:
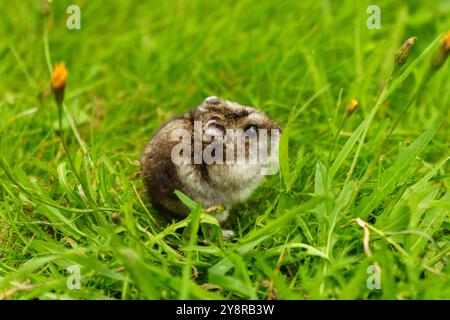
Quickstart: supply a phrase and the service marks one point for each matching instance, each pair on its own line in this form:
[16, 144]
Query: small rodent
[214, 184]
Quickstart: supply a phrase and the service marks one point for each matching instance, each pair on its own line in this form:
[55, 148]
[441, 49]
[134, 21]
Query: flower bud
[59, 78]
[439, 57]
[403, 53]
[352, 106]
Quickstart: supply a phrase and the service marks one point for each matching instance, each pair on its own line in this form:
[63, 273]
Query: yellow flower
[352, 106]
[59, 76]
[443, 52]
[446, 42]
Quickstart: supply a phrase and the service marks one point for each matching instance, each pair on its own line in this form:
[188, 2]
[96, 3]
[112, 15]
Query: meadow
[360, 206]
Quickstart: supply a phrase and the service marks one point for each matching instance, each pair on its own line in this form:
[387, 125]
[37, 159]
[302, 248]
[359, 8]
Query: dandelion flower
[59, 78]
[440, 56]
[352, 106]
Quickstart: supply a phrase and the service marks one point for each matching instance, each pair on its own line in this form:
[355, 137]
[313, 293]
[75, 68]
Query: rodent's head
[217, 114]
[228, 127]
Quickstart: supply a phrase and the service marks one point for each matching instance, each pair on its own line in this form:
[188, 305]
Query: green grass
[350, 194]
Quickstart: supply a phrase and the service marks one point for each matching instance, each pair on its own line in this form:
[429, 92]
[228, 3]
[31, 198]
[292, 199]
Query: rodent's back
[158, 172]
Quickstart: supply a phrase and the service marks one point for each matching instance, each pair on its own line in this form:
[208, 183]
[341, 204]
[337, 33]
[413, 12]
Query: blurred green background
[135, 64]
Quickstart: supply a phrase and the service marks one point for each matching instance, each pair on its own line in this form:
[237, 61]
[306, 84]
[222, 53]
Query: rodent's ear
[212, 100]
[214, 128]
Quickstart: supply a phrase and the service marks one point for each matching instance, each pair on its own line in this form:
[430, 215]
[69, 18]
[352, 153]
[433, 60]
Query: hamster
[219, 183]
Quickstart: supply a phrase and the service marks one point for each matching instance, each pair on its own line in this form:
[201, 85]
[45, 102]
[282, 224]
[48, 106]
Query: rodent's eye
[251, 131]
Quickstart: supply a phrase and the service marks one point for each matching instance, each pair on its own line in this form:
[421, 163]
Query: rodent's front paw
[221, 216]
[227, 234]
